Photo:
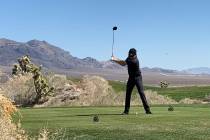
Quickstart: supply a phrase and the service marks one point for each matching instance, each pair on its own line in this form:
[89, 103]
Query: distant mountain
[61, 61]
[47, 55]
[55, 58]
[160, 70]
[200, 70]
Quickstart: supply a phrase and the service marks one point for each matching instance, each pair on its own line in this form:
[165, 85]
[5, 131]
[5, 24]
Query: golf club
[114, 28]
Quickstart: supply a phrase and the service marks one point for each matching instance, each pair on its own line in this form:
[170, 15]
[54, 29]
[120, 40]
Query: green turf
[177, 93]
[186, 122]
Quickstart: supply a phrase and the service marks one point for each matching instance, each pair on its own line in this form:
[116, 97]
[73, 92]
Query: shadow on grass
[90, 115]
[80, 115]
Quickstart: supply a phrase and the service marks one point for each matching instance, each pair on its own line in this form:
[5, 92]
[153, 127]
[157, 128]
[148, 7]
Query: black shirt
[133, 67]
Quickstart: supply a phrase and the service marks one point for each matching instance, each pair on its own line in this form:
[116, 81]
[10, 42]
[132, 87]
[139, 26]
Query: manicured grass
[177, 93]
[185, 123]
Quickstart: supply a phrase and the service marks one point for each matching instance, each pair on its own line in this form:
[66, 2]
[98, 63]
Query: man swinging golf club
[135, 79]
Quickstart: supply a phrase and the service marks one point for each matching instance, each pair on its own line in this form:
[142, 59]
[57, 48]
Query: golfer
[135, 79]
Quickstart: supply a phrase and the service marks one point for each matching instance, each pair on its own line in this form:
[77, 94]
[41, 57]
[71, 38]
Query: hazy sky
[172, 34]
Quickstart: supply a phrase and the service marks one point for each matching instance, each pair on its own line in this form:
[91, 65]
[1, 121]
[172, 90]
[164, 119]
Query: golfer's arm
[120, 62]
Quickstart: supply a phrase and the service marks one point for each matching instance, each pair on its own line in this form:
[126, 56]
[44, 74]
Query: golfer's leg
[129, 88]
[140, 88]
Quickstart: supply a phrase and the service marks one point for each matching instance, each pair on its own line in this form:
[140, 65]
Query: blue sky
[173, 34]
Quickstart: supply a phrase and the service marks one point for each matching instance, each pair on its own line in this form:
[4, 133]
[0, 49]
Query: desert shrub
[41, 86]
[58, 134]
[8, 129]
[170, 108]
[190, 101]
[164, 84]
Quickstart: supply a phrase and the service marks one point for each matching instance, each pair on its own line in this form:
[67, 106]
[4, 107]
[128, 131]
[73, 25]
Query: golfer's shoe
[124, 113]
[148, 112]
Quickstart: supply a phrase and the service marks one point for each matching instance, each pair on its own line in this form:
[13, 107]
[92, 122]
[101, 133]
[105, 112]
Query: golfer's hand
[113, 58]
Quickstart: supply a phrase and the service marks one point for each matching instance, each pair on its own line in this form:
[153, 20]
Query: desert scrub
[8, 129]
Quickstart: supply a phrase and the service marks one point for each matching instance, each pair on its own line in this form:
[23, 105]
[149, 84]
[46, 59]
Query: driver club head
[114, 28]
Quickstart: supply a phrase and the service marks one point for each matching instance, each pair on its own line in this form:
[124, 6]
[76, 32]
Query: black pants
[130, 85]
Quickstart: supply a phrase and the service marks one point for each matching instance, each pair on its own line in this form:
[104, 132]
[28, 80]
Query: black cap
[132, 52]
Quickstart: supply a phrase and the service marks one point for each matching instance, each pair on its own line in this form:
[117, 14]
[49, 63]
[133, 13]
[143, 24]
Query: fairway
[176, 93]
[186, 122]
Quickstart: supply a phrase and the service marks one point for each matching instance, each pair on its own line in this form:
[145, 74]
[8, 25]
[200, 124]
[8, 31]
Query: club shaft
[113, 44]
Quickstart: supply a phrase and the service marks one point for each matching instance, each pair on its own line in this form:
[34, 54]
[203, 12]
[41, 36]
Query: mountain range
[199, 70]
[50, 56]
[55, 58]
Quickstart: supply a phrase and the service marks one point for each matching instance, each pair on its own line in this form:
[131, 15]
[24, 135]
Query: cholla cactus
[164, 84]
[24, 63]
[16, 70]
[42, 88]
[41, 85]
